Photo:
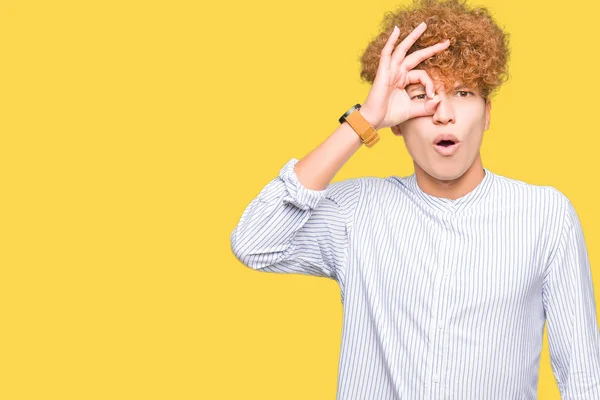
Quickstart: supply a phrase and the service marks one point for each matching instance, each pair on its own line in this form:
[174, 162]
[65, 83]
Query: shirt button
[440, 324]
[436, 378]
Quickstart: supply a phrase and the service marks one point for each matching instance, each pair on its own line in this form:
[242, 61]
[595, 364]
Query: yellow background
[134, 134]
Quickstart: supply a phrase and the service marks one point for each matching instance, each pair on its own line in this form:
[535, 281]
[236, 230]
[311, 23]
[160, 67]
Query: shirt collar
[445, 205]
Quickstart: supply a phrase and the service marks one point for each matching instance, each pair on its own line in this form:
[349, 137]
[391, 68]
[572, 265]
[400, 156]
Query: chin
[444, 172]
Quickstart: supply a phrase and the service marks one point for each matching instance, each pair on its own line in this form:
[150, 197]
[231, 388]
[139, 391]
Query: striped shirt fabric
[442, 299]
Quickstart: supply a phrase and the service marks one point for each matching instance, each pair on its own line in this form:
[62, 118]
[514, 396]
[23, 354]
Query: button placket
[442, 274]
[453, 256]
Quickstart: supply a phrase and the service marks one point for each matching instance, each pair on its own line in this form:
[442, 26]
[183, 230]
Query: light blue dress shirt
[442, 299]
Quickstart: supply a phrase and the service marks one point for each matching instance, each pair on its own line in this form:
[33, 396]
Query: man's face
[462, 112]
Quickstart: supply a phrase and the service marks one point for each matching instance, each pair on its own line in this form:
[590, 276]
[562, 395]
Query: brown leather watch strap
[368, 134]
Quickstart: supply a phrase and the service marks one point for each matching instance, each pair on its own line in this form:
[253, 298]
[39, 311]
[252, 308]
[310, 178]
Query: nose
[444, 113]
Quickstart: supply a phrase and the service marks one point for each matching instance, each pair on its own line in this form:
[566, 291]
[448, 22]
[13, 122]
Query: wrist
[368, 115]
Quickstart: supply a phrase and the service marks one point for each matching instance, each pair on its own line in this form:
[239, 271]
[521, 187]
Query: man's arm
[570, 307]
[300, 221]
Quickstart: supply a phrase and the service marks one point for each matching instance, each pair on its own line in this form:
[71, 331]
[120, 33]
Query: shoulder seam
[565, 227]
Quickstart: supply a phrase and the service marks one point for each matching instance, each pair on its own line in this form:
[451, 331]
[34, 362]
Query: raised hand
[387, 103]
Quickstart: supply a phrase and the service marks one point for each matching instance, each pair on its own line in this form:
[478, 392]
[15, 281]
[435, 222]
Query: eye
[419, 97]
[464, 93]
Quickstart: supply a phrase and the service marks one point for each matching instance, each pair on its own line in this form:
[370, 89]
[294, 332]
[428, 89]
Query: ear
[488, 107]
[396, 130]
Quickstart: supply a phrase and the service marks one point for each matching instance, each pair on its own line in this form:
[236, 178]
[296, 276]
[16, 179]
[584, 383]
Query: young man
[447, 276]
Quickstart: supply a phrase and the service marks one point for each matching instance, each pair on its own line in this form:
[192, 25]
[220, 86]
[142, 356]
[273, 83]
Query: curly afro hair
[478, 51]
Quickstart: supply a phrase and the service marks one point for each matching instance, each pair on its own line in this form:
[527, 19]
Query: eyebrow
[420, 86]
[415, 86]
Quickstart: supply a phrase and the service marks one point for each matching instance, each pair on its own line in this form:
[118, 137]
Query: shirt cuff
[299, 195]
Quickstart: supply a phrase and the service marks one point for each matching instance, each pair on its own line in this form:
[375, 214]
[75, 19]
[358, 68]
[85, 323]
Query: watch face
[354, 107]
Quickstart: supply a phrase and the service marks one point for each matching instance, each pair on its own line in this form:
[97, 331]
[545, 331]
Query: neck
[454, 188]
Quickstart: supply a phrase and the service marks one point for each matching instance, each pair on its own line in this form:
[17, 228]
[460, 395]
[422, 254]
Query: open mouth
[445, 143]
[446, 147]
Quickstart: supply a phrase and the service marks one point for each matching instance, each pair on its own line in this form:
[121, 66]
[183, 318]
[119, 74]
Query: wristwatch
[368, 135]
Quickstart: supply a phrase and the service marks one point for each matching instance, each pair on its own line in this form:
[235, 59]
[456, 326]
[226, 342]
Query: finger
[407, 43]
[423, 109]
[386, 52]
[380, 87]
[421, 76]
[415, 58]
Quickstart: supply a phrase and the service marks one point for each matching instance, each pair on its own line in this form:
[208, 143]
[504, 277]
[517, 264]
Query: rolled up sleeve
[289, 228]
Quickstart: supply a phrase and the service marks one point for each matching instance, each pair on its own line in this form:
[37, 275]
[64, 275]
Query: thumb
[426, 108]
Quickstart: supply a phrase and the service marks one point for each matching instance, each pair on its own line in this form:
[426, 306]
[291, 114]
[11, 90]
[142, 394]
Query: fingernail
[422, 24]
[395, 29]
